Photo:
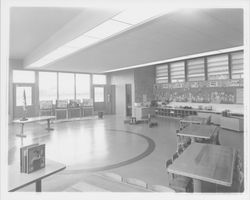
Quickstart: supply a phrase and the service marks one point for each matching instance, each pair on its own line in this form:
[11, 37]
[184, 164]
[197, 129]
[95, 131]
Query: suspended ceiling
[36, 31]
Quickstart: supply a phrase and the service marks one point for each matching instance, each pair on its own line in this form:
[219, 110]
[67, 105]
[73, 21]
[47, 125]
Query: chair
[180, 150]
[238, 181]
[160, 188]
[112, 176]
[136, 182]
[175, 156]
[185, 145]
[238, 161]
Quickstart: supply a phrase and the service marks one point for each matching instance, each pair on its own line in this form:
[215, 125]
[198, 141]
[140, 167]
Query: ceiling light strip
[107, 29]
[209, 53]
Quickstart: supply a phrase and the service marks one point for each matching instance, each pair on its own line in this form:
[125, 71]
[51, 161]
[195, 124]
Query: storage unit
[87, 111]
[61, 113]
[174, 112]
[74, 112]
[143, 112]
[232, 123]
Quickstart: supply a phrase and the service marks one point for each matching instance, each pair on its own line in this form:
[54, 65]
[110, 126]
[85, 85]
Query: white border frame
[5, 4]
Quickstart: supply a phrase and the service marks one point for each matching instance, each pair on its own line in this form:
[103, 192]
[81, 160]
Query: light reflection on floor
[92, 143]
[85, 148]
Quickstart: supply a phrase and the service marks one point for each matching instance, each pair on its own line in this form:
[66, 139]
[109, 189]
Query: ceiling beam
[86, 20]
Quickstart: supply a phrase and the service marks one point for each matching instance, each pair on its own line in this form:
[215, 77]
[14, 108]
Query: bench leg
[39, 185]
[197, 185]
[48, 124]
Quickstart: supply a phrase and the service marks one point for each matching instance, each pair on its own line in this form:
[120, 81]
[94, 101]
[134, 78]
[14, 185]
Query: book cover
[23, 152]
[35, 158]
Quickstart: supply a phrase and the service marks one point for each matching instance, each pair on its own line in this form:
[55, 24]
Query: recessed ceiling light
[82, 42]
[54, 55]
[136, 15]
[107, 29]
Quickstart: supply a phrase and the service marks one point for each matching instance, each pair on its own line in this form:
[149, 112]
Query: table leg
[39, 185]
[197, 185]
[48, 124]
[21, 135]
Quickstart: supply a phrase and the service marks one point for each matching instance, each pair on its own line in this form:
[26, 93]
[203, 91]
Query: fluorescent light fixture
[82, 42]
[136, 15]
[67, 49]
[107, 29]
[117, 24]
[54, 55]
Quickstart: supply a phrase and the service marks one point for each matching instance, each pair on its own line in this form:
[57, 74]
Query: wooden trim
[205, 68]
[230, 65]
[186, 70]
[169, 73]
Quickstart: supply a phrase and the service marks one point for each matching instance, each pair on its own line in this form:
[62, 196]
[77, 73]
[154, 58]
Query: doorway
[128, 96]
[24, 92]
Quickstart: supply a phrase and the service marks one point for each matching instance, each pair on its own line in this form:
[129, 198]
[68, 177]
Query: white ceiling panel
[169, 36]
[29, 27]
[181, 33]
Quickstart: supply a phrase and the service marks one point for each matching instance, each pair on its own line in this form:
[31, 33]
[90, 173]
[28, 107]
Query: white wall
[119, 79]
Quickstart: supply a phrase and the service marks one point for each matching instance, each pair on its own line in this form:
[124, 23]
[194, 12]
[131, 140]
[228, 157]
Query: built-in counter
[232, 122]
[235, 109]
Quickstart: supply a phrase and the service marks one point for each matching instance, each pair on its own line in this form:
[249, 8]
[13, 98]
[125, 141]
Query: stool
[100, 114]
[133, 120]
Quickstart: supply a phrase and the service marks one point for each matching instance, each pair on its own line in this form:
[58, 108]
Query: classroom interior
[125, 102]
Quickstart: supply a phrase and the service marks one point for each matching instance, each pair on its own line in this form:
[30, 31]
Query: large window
[99, 79]
[177, 71]
[237, 65]
[21, 76]
[66, 83]
[82, 86]
[99, 94]
[162, 73]
[196, 69]
[48, 86]
[217, 67]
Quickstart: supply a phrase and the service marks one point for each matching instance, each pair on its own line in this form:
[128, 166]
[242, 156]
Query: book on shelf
[32, 158]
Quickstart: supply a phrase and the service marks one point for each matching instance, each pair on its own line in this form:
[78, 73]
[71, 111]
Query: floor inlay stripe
[148, 151]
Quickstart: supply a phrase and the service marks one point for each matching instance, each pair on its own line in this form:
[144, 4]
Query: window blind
[177, 71]
[162, 73]
[217, 67]
[196, 71]
[237, 65]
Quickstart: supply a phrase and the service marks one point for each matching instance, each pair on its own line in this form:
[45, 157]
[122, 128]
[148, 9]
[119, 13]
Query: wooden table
[202, 131]
[193, 119]
[31, 120]
[205, 162]
[19, 180]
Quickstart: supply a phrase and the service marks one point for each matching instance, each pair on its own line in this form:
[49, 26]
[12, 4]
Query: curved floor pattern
[148, 151]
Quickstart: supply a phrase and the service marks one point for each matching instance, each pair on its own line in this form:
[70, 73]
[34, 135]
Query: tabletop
[195, 119]
[18, 180]
[206, 162]
[34, 119]
[198, 130]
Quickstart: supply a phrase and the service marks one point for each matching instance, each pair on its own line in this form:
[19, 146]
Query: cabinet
[232, 123]
[143, 112]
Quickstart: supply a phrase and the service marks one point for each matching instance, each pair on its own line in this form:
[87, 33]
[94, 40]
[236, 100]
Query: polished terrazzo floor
[96, 145]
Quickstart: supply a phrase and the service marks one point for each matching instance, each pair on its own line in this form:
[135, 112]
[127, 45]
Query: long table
[205, 163]
[201, 131]
[194, 119]
[18, 180]
[31, 120]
